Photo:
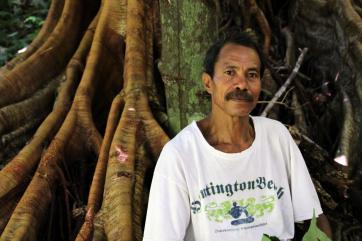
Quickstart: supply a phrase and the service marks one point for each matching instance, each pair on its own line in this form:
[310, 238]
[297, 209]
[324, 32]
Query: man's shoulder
[183, 138]
[267, 122]
[271, 126]
[179, 147]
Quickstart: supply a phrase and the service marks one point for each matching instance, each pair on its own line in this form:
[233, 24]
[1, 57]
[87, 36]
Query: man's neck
[227, 134]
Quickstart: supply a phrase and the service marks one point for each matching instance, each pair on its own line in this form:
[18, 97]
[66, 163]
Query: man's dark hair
[234, 37]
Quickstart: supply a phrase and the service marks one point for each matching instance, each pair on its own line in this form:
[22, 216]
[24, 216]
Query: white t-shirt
[200, 193]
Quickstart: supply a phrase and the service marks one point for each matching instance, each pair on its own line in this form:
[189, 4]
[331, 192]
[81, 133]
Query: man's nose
[240, 82]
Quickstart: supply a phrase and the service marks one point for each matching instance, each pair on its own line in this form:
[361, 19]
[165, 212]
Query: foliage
[20, 21]
[313, 233]
[269, 238]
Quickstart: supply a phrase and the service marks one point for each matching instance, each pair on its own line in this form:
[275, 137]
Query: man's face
[236, 85]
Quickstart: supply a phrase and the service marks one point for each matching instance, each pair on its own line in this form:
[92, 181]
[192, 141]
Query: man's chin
[240, 110]
[240, 114]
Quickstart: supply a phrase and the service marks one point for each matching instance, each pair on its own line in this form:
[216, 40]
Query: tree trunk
[86, 110]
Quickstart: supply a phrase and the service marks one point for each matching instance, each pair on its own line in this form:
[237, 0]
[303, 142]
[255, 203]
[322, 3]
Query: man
[231, 176]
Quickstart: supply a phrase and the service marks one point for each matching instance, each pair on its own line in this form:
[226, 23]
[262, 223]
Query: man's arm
[304, 193]
[323, 224]
[168, 213]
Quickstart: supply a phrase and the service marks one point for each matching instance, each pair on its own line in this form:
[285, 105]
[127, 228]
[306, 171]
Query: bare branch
[286, 84]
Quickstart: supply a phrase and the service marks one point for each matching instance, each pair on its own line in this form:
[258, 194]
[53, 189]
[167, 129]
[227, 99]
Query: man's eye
[229, 72]
[253, 75]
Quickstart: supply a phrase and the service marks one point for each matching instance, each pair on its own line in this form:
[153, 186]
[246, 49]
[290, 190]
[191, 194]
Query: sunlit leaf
[265, 238]
[314, 233]
[31, 19]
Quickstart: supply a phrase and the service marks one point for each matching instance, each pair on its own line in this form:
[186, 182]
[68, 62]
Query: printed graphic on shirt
[236, 211]
[195, 207]
[259, 183]
[228, 210]
[244, 212]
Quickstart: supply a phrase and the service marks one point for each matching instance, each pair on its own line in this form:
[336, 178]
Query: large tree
[85, 111]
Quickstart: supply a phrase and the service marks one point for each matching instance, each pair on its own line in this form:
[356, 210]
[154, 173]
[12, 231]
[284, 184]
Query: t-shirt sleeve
[168, 213]
[304, 195]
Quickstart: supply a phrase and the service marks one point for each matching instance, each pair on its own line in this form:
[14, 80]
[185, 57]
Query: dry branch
[290, 45]
[286, 84]
[263, 24]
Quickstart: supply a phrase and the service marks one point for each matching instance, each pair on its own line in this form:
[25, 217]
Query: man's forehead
[237, 47]
[233, 53]
[235, 62]
[236, 65]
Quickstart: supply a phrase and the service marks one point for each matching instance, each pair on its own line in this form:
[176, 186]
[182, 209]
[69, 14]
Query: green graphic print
[220, 212]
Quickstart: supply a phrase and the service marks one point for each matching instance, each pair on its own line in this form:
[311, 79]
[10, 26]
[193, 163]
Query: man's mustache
[239, 94]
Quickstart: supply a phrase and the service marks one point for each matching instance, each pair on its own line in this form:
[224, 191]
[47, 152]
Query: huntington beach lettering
[229, 189]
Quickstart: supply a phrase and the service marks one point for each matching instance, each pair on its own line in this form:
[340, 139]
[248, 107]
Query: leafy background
[20, 21]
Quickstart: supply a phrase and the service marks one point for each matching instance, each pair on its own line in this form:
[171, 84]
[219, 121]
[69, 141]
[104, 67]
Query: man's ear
[208, 82]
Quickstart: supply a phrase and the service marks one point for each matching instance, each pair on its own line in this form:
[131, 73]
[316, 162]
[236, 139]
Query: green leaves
[313, 233]
[34, 21]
